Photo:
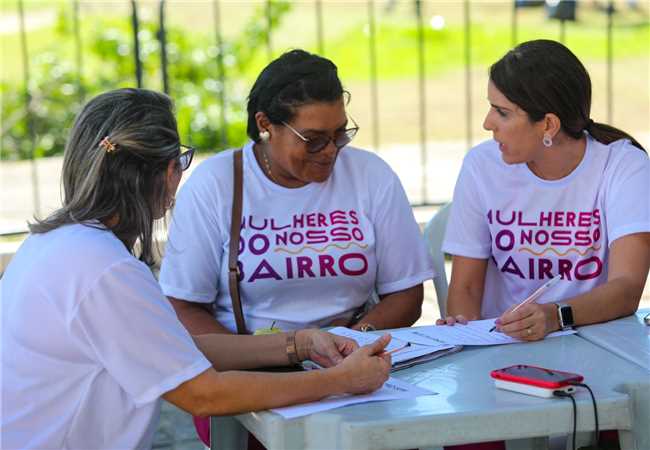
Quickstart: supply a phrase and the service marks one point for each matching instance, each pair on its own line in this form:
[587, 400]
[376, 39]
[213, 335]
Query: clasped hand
[361, 369]
[325, 349]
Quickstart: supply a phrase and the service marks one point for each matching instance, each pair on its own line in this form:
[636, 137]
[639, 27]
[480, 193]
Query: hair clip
[107, 145]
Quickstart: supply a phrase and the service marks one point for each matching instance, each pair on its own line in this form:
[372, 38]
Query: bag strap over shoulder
[235, 229]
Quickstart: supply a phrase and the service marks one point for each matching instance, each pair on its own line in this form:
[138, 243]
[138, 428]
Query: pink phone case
[536, 376]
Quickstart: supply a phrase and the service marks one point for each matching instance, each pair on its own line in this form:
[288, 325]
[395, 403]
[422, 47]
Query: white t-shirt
[307, 255]
[533, 229]
[89, 344]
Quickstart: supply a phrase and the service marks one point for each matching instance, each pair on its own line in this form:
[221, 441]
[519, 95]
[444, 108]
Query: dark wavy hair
[127, 183]
[543, 76]
[296, 78]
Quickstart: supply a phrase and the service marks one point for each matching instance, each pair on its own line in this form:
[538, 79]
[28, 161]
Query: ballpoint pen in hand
[535, 295]
[395, 350]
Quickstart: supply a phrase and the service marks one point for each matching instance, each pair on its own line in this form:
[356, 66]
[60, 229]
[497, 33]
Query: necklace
[267, 164]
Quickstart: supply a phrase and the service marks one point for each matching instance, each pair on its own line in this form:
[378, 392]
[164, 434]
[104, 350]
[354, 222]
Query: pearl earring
[547, 141]
[265, 136]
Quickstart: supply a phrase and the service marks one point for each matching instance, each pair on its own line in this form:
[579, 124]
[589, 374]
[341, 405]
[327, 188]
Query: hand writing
[530, 322]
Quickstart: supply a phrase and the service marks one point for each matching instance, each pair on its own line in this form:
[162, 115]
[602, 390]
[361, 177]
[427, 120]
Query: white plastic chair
[434, 233]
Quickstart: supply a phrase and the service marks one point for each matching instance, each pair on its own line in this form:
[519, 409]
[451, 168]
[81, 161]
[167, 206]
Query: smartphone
[535, 380]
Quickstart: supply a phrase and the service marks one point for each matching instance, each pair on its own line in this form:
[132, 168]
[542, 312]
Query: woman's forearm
[465, 293]
[196, 317]
[629, 262]
[395, 310]
[237, 352]
[221, 393]
[464, 301]
[215, 393]
[249, 391]
[616, 298]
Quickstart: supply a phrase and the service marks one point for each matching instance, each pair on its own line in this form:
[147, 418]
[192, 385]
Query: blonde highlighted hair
[129, 182]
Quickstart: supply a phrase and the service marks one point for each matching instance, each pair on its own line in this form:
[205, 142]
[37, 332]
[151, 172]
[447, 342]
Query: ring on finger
[529, 331]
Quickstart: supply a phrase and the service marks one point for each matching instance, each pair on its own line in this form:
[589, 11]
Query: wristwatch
[565, 316]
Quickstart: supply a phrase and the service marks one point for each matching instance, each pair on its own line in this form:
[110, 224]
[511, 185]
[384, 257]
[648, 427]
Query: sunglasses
[316, 144]
[185, 158]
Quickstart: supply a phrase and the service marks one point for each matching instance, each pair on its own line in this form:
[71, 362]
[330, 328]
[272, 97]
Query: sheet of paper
[414, 350]
[393, 389]
[476, 332]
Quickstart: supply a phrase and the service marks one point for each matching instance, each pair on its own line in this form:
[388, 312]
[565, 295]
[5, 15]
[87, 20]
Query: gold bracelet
[292, 351]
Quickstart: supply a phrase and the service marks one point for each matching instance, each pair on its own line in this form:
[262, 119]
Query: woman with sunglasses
[89, 341]
[324, 225]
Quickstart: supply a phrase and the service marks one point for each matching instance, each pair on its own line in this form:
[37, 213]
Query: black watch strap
[565, 316]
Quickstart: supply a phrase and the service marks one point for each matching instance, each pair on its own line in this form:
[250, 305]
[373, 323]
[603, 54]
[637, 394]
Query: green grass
[347, 44]
[347, 41]
[444, 49]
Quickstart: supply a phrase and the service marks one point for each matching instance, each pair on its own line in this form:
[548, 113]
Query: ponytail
[607, 134]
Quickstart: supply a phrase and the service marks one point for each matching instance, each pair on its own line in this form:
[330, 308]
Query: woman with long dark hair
[554, 193]
[90, 343]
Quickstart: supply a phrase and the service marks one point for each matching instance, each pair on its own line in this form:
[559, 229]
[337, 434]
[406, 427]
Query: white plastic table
[469, 408]
[628, 337]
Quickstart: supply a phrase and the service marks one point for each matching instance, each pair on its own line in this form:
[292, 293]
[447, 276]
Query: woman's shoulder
[622, 155]
[211, 173]
[485, 152]
[624, 149]
[215, 165]
[364, 162]
[88, 248]
[96, 242]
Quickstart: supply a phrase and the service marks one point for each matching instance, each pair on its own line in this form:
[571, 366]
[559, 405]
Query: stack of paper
[476, 332]
[408, 352]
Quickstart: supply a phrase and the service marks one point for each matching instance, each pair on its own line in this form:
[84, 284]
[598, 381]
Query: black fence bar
[78, 49]
[135, 25]
[422, 103]
[269, 27]
[222, 71]
[468, 73]
[514, 24]
[320, 41]
[372, 55]
[162, 38]
[29, 119]
[610, 60]
[268, 18]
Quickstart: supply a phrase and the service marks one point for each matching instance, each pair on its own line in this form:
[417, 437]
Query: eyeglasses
[316, 144]
[185, 158]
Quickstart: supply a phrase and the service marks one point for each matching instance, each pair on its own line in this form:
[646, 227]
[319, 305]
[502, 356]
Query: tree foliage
[57, 92]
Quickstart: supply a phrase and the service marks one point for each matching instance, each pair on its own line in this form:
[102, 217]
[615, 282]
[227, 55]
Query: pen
[395, 350]
[535, 295]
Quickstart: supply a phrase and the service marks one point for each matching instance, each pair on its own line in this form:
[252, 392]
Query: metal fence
[419, 42]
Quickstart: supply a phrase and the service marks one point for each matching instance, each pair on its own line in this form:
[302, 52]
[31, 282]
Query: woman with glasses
[324, 225]
[89, 341]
